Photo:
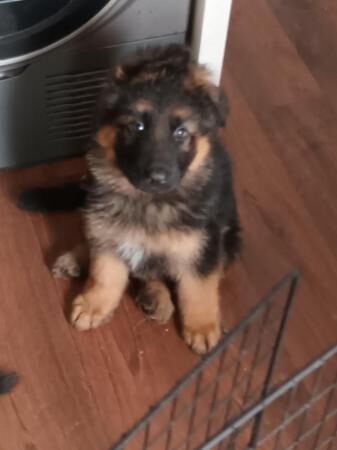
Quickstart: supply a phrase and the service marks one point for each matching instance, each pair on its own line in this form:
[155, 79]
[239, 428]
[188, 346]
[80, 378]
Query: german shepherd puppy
[159, 202]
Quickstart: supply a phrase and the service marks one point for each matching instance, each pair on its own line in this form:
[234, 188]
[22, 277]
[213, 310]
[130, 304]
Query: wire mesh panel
[233, 377]
[305, 416]
[300, 414]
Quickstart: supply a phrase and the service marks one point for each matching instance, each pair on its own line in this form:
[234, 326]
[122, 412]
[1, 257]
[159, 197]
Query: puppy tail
[8, 381]
[67, 197]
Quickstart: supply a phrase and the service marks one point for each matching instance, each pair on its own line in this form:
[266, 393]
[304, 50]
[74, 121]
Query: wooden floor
[80, 391]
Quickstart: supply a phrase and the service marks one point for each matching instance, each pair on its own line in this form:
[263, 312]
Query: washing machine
[55, 56]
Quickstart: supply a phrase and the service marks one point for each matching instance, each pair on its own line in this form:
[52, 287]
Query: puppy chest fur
[144, 238]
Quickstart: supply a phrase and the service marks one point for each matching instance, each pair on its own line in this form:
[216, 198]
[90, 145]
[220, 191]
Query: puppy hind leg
[72, 264]
[154, 299]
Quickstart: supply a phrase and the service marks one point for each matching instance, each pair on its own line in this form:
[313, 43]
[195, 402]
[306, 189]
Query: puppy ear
[105, 137]
[199, 83]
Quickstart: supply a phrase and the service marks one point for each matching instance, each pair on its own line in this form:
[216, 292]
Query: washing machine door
[31, 27]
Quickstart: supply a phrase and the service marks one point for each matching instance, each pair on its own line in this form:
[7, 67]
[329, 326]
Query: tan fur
[181, 112]
[185, 115]
[102, 293]
[202, 146]
[199, 308]
[199, 78]
[143, 105]
[191, 126]
[119, 73]
[146, 75]
[105, 138]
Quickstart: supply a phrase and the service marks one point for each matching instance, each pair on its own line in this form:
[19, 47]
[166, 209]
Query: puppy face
[161, 112]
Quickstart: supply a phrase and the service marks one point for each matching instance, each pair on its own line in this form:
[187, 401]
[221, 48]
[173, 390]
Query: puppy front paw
[89, 312]
[203, 338]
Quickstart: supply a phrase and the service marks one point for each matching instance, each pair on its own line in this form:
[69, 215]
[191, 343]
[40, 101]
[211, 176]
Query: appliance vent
[71, 100]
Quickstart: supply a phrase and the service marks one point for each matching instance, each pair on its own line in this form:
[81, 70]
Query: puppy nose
[158, 176]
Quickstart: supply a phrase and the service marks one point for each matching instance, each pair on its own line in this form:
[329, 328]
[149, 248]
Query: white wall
[210, 28]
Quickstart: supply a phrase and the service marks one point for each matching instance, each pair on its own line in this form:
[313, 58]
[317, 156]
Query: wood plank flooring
[80, 391]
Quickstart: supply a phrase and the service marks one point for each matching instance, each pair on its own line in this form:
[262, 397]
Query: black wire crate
[233, 378]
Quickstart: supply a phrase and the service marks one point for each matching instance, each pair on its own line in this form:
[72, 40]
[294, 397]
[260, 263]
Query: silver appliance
[54, 59]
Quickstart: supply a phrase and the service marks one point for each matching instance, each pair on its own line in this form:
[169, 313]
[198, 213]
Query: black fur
[52, 199]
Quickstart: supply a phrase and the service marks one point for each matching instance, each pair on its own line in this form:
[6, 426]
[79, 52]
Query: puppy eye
[139, 126]
[180, 133]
